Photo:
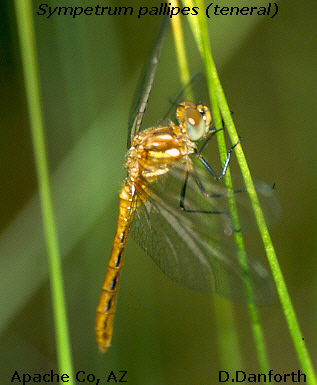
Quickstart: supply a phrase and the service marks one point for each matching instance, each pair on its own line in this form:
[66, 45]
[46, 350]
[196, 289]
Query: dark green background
[164, 334]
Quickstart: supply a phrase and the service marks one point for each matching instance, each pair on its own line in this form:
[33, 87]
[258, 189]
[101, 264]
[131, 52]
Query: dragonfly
[167, 203]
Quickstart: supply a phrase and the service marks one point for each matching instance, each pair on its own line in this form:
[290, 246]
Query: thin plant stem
[289, 312]
[234, 358]
[31, 76]
[181, 56]
[257, 329]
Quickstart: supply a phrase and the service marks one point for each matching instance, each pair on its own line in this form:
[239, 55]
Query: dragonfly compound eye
[196, 123]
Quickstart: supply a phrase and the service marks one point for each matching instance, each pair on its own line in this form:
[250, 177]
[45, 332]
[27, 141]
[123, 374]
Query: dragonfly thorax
[156, 150]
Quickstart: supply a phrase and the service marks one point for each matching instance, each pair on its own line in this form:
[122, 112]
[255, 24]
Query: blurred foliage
[89, 70]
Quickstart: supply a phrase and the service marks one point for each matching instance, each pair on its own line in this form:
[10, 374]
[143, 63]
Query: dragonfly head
[195, 119]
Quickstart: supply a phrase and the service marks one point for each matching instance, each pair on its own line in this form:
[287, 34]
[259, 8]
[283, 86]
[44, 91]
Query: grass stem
[32, 85]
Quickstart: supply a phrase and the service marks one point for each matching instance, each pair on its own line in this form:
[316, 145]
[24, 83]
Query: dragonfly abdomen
[107, 301]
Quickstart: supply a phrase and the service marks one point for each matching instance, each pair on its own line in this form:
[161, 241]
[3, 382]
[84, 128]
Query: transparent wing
[145, 86]
[192, 248]
[196, 90]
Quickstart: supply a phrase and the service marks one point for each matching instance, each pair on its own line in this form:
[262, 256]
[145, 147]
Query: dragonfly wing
[196, 90]
[145, 86]
[192, 248]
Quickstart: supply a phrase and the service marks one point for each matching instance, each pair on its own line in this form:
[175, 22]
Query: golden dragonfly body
[153, 153]
[190, 245]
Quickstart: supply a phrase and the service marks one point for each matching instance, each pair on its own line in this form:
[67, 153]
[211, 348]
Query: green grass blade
[211, 72]
[223, 311]
[300, 347]
[30, 68]
[181, 56]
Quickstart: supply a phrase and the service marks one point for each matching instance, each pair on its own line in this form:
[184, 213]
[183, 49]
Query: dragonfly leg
[225, 165]
[203, 191]
[208, 137]
[213, 173]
